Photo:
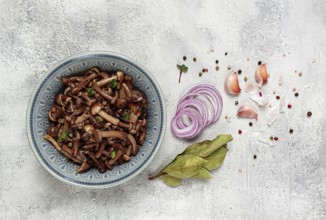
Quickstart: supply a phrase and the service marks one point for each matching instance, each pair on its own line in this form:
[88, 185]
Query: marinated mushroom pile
[99, 120]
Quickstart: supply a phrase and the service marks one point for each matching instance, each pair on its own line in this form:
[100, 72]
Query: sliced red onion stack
[200, 107]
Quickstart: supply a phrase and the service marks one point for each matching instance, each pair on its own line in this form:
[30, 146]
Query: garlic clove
[247, 112]
[261, 74]
[231, 84]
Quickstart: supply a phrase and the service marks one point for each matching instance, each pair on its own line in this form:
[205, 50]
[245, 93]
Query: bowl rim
[75, 56]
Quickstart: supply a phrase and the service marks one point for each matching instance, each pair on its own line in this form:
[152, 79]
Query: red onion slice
[192, 107]
[216, 97]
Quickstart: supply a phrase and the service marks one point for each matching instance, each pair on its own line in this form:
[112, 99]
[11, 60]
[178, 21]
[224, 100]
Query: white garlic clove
[247, 112]
[231, 84]
[261, 75]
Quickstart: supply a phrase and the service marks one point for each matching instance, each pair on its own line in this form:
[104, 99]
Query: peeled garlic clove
[261, 74]
[247, 112]
[231, 84]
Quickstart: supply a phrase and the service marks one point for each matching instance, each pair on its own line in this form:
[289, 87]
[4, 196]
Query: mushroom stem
[96, 109]
[98, 163]
[100, 151]
[52, 141]
[132, 140]
[106, 81]
[117, 156]
[83, 83]
[114, 134]
[85, 166]
[101, 92]
[127, 90]
[108, 117]
[82, 118]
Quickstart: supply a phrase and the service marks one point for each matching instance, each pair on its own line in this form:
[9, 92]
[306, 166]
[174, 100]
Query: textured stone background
[287, 181]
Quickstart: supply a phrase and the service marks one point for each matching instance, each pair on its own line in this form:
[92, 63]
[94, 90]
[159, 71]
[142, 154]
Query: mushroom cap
[120, 75]
[96, 108]
[89, 129]
[97, 135]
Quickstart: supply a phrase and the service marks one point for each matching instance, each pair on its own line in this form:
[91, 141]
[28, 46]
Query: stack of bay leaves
[195, 161]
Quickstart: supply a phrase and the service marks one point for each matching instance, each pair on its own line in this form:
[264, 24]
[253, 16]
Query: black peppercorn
[309, 114]
[259, 63]
[184, 58]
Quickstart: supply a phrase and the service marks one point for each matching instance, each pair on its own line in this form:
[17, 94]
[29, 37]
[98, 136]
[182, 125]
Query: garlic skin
[247, 112]
[261, 75]
[231, 84]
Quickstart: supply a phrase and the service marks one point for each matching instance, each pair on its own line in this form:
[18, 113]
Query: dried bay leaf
[205, 148]
[203, 173]
[170, 180]
[195, 161]
[185, 166]
[215, 159]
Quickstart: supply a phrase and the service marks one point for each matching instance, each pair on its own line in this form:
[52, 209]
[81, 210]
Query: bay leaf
[184, 166]
[203, 173]
[215, 159]
[205, 148]
[170, 180]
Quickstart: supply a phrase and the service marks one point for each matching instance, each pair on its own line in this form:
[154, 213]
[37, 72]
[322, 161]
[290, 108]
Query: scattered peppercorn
[300, 74]
[250, 124]
[277, 97]
[206, 70]
[236, 103]
[275, 138]
[229, 67]
[245, 79]
[239, 132]
[216, 61]
[226, 53]
[255, 156]
[200, 74]
[239, 71]
[289, 106]
[259, 63]
[217, 68]
[260, 94]
[309, 114]
[194, 59]
[203, 70]
[271, 138]
[291, 131]
[184, 58]
[296, 94]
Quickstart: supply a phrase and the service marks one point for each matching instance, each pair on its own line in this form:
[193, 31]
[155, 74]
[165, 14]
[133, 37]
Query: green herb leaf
[64, 136]
[99, 120]
[205, 148]
[185, 166]
[113, 154]
[126, 115]
[113, 84]
[215, 159]
[203, 174]
[183, 68]
[170, 180]
[90, 92]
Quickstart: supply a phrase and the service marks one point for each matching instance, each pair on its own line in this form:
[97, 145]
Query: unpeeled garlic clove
[231, 84]
[261, 74]
[247, 112]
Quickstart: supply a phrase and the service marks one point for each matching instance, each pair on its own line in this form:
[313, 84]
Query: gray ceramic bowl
[43, 97]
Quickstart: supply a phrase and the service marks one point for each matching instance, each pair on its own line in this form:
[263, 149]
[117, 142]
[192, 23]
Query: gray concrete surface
[286, 181]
